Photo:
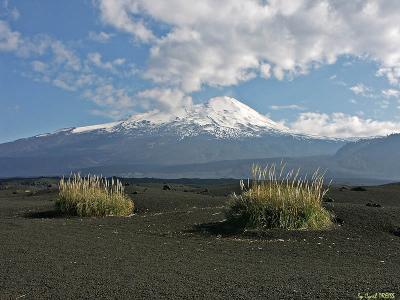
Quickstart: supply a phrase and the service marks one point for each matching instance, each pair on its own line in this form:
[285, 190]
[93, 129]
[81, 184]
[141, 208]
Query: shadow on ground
[48, 214]
[224, 228]
[237, 228]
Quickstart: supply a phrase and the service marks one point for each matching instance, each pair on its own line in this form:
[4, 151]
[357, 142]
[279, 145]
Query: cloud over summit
[222, 43]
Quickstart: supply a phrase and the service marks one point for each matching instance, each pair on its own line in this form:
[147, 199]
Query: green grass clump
[93, 196]
[275, 199]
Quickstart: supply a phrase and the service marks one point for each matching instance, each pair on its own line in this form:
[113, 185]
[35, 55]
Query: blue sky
[75, 63]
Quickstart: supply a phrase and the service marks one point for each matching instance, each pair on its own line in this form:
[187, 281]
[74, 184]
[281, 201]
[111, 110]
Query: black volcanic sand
[176, 247]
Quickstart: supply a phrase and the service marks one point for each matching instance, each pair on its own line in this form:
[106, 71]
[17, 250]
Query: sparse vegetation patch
[279, 199]
[93, 196]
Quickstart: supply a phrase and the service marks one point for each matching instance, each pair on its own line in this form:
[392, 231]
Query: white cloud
[101, 37]
[391, 93]
[95, 58]
[291, 106]
[165, 99]
[39, 66]
[353, 101]
[108, 96]
[9, 40]
[63, 85]
[53, 62]
[7, 11]
[119, 61]
[384, 104]
[222, 43]
[341, 125]
[15, 14]
[114, 114]
[360, 113]
[122, 14]
[65, 56]
[265, 71]
[392, 73]
[279, 73]
[365, 91]
[361, 90]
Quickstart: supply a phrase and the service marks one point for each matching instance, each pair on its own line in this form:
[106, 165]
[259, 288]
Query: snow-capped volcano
[221, 117]
[221, 129]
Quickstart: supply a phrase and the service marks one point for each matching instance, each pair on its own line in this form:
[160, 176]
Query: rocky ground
[176, 247]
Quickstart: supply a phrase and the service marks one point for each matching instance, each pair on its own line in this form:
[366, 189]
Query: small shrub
[93, 196]
[166, 187]
[274, 199]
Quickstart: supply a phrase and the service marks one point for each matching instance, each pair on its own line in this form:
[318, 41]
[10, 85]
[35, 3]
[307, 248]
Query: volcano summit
[222, 129]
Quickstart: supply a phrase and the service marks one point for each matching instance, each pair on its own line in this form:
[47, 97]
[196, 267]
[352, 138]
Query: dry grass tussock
[93, 196]
[279, 199]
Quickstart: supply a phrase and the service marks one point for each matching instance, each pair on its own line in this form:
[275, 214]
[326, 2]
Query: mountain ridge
[222, 129]
[221, 117]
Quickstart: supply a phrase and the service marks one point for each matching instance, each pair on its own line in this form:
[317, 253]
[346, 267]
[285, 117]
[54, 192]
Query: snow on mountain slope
[95, 127]
[222, 129]
[221, 117]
